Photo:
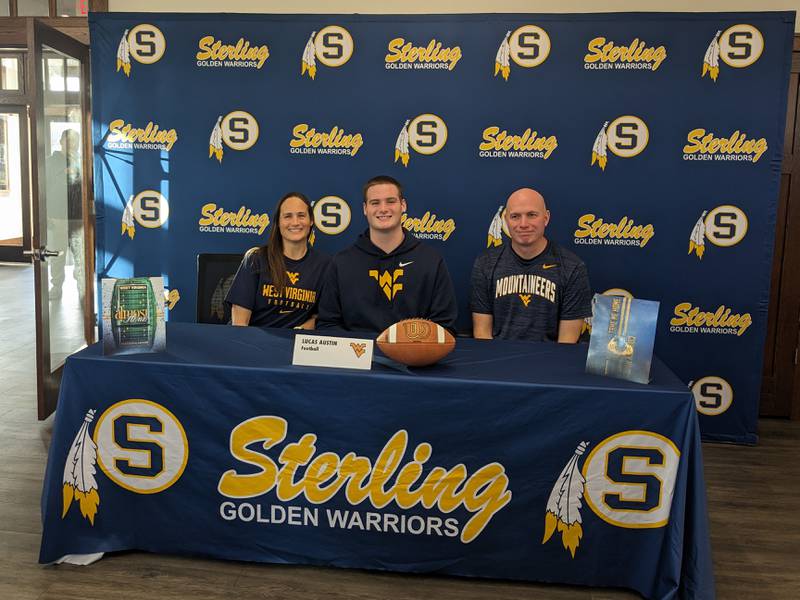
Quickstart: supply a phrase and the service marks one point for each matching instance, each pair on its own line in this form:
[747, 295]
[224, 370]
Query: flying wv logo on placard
[738, 46]
[563, 507]
[79, 471]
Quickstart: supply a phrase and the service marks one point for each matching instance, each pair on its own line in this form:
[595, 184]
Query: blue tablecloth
[505, 460]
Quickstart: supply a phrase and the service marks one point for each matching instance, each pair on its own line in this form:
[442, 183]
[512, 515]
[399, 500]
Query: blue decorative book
[623, 333]
[133, 315]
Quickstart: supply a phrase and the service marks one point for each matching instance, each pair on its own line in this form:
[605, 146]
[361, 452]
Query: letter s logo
[239, 130]
[627, 136]
[141, 446]
[740, 45]
[147, 43]
[333, 46]
[427, 134]
[529, 45]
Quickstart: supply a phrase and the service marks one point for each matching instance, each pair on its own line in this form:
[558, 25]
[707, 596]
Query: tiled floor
[754, 503]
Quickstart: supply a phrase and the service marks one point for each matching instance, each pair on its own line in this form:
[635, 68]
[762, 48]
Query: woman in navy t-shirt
[279, 284]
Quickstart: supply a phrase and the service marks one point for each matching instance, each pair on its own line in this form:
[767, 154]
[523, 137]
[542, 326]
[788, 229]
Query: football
[416, 342]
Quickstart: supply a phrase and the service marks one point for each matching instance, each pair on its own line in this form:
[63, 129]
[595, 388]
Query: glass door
[62, 226]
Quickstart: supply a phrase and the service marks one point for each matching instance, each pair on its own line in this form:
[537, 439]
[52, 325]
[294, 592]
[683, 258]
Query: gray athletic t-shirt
[527, 298]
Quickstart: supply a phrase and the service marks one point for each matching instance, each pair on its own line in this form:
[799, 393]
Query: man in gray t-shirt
[532, 289]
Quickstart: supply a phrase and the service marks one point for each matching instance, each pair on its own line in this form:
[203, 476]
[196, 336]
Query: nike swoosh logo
[548, 266]
[283, 312]
[402, 264]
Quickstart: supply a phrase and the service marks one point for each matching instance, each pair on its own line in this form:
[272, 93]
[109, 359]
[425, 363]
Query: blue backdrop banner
[656, 140]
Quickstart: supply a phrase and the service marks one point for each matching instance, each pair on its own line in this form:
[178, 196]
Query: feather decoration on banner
[309, 58]
[79, 471]
[599, 149]
[501, 61]
[127, 219]
[124, 55]
[563, 506]
[171, 298]
[401, 146]
[697, 241]
[495, 236]
[215, 141]
[711, 59]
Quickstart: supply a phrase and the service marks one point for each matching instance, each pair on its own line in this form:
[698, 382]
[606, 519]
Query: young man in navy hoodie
[388, 274]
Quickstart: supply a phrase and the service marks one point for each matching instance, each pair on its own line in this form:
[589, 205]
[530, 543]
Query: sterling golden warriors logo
[238, 130]
[499, 143]
[712, 395]
[128, 444]
[625, 136]
[332, 46]
[214, 53]
[429, 226]
[331, 215]
[723, 226]
[706, 145]
[143, 43]
[216, 219]
[389, 281]
[299, 470]
[593, 230]
[149, 208]
[627, 480]
[605, 54]
[722, 321]
[527, 46]
[426, 134]
[739, 46]
[434, 55]
[334, 141]
[127, 136]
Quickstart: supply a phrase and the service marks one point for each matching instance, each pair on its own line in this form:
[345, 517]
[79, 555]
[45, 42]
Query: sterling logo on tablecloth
[318, 479]
[128, 444]
[645, 460]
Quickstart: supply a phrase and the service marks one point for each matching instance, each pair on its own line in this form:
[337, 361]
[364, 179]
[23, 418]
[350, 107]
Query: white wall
[451, 6]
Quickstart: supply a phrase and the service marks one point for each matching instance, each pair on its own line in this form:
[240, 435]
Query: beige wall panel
[448, 6]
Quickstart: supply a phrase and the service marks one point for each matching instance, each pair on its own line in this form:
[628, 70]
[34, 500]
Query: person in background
[279, 284]
[532, 289]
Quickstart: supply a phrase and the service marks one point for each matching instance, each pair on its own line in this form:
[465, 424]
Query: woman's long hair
[272, 257]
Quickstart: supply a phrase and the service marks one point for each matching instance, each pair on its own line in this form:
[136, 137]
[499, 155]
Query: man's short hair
[380, 180]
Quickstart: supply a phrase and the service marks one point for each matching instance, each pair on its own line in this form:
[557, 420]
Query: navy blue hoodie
[368, 289]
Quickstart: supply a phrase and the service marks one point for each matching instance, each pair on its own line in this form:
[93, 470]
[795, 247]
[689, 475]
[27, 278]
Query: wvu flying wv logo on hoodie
[368, 289]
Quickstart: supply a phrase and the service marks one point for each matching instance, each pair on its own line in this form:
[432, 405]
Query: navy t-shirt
[252, 288]
[527, 298]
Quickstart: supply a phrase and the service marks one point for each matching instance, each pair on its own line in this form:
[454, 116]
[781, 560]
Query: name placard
[329, 351]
